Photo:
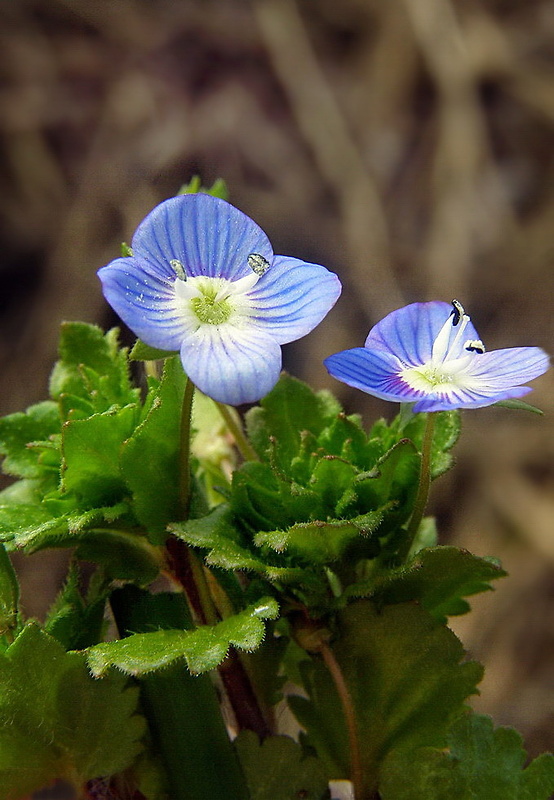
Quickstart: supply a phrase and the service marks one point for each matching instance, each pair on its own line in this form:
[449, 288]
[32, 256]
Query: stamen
[258, 263]
[445, 345]
[457, 312]
[178, 269]
[475, 346]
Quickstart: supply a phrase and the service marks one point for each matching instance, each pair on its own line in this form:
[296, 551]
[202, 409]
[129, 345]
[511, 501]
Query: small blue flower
[203, 280]
[431, 355]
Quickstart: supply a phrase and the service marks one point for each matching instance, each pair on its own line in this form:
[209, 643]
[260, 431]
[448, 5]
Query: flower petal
[144, 301]
[292, 297]
[410, 332]
[491, 377]
[374, 372]
[512, 366]
[208, 236]
[230, 364]
[468, 398]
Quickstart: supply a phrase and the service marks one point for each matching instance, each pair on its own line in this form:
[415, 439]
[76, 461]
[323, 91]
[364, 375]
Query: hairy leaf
[56, 721]
[322, 542]
[277, 769]
[150, 457]
[276, 425]
[9, 593]
[406, 679]
[481, 764]
[437, 577]
[202, 649]
[92, 368]
[91, 450]
[25, 435]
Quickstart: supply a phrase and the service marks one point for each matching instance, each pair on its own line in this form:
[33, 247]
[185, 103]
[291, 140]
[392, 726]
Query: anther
[457, 312]
[258, 264]
[475, 346]
[178, 269]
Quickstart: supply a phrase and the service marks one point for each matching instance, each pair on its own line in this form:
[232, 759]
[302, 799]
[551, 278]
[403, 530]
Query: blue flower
[203, 280]
[431, 355]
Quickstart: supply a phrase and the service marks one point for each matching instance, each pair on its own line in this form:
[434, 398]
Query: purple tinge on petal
[230, 364]
[207, 235]
[467, 398]
[144, 301]
[372, 371]
[409, 332]
[292, 297]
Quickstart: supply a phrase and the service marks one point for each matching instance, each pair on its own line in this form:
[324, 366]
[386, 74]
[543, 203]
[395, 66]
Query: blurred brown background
[405, 144]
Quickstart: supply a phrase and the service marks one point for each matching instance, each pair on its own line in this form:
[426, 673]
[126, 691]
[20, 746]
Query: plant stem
[190, 572]
[356, 771]
[184, 467]
[184, 564]
[243, 445]
[243, 700]
[424, 483]
[183, 710]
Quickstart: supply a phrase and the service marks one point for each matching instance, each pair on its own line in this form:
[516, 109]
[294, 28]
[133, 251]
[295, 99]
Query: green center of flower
[429, 378]
[210, 309]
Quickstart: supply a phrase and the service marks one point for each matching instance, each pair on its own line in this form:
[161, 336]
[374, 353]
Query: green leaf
[446, 433]
[218, 188]
[481, 764]
[123, 554]
[33, 528]
[519, 405]
[202, 649]
[322, 542]
[394, 480]
[92, 368]
[183, 710]
[331, 480]
[143, 352]
[91, 450]
[74, 621]
[21, 522]
[9, 593]
[18, 431]
[56, 721]
[277, 769]
[217, 533]
[437, 577]
[126, 555]
[150, 458]
[276, 425]
[346, 438]
[406, 679]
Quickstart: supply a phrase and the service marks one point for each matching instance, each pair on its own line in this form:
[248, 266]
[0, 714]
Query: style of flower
[203, 280]
[431, 355]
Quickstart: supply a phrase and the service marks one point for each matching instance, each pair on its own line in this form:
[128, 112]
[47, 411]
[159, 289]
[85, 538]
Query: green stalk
[424, 484]
[184, 466]
[182, 710]
[243, 445]
[192, 575]
[356, 769]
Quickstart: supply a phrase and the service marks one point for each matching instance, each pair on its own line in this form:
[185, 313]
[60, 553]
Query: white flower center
[451, 356]
[213, 301]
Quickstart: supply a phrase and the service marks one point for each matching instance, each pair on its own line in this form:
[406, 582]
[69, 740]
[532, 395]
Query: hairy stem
[184, 466]
[424, 483]
[243, 445]
[191, 574]
[356, 771]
